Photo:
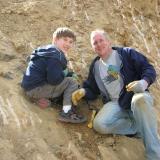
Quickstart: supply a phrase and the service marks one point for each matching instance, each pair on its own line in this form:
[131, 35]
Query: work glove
[77, 95]
[137, 86]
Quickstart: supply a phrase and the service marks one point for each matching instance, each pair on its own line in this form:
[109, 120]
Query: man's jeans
[66, 87]
[111, 119]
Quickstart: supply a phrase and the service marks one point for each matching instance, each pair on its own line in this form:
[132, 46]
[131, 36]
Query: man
[122, 77]
[47, 75]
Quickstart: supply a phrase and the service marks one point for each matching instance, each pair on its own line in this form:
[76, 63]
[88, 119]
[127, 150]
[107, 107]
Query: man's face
[64, 43]
[101, 45]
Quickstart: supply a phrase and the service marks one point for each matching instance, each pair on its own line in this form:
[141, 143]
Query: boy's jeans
[141, 118]
[66, 87]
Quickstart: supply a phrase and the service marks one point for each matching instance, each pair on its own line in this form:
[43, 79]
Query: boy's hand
[74, 76]
[137, 86]
[65, 72]
[77, 95]
[68, 73]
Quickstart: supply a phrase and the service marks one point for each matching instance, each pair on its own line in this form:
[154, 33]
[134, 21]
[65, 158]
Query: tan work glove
[77, 95]
[137, 86]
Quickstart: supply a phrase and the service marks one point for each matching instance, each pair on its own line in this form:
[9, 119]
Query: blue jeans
[111, 119]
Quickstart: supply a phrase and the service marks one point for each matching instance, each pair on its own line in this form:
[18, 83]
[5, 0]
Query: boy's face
[64, 43]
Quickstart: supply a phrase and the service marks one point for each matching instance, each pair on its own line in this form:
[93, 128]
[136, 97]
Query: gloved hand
[137, 86]
[77, 95]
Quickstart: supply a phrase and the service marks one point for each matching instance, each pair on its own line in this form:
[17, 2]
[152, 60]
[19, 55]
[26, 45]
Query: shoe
[43, 103]
[71, 117]
[136, 135]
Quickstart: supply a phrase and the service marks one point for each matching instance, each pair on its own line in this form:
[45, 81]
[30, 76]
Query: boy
[47, 76]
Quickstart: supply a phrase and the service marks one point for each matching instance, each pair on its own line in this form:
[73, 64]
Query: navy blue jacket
[135, 66]
[46, 65]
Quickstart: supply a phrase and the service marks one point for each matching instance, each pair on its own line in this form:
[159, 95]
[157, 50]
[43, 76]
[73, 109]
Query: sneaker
[71, 117]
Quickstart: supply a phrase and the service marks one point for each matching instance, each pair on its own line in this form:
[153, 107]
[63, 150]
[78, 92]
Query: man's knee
[100, 127]
[141, 101]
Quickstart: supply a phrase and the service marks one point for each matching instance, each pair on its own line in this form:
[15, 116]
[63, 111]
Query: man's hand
[137, 86]
[77, 95]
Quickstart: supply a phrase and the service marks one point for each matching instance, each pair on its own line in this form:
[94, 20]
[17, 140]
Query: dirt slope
[29, 133]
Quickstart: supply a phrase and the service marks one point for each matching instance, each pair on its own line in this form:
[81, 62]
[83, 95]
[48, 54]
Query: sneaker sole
[72, 121]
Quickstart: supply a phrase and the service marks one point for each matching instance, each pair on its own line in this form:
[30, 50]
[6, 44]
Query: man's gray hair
[98, 31]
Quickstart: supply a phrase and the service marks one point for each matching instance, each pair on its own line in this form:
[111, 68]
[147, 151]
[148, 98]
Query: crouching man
[122, 77]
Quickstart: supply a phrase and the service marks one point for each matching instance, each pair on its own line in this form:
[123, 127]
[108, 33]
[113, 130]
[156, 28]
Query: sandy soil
[30, 133]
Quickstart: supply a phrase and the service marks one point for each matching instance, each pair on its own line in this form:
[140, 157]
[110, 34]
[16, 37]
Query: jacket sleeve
[90, 85]
[54, 72]
[142, 66]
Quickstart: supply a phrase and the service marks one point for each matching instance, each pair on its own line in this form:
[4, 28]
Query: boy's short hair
[64, 32]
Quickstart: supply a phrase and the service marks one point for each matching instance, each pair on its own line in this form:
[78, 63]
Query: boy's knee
[71, 83]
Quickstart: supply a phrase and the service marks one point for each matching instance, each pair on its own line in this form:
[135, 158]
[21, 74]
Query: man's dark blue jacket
[135, 66]
[46, 65]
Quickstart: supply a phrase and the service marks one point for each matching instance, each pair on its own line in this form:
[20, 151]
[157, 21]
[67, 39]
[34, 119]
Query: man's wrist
[83, 91]
[144, 84]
